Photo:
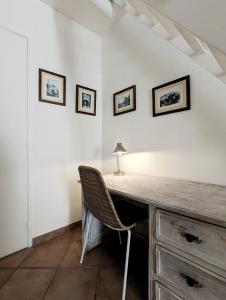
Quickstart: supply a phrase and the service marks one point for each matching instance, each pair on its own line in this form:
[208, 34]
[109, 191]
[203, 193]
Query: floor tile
[66, 236]
[78, 234]
[4, 275]
[73, 284]
[100, 277]
[103, 256]
[46, 255]
[13, 261]
[106, 255]
[27, 284]
[109, 286]
[72, 257]
[72, 235]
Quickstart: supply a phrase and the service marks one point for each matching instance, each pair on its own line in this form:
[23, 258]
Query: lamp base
[119, 173]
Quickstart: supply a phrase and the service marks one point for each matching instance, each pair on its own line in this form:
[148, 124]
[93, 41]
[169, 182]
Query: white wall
[59, 139]
[187, 145]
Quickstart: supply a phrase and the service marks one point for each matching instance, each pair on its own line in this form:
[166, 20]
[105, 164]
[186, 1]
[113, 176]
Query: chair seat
[129, 214]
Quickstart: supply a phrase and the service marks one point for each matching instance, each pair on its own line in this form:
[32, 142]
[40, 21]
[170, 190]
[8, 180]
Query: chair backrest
[97, 197]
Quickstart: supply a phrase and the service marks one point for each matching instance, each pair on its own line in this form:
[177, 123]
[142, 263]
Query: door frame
[28, 174]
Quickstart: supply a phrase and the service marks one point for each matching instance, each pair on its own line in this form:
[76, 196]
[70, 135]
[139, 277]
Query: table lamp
[119, 150]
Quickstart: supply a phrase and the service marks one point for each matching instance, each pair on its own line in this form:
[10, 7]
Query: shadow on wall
[73, 144]
[7, 181]
[67, 60]
[74, 199]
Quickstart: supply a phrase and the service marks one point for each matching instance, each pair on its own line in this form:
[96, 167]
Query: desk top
[202, 200]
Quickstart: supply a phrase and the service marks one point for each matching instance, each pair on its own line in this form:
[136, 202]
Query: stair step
[220, 57]
[203, 54]
[222, 78]
[130, 9]
[105, 6]
[121, 3]
[191, 40]
[161, 30]
[145, 20]
[144, 10]
[208, 62]
[182, 45]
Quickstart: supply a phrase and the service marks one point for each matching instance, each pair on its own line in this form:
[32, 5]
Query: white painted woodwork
[191, 40]
[211, 246]
[131, 10]
[167, 27]
[163, 293]
[145, 10]
[144, 19]
[173, 270]
[13, 142]
[222, 77]
[100, 21]
[184, 40]
[205, 18]
[208, 62]
[180, 43]
[213, 61]
[161, 30]
[166, 23]
[203, 45]
[220, 58]
[106, 6]
[121, 3]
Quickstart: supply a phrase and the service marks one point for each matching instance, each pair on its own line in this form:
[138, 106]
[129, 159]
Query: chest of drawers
[164, 294]
[189, 258]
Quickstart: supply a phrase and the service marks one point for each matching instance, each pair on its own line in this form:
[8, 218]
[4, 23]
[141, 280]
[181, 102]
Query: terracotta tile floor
[51, 271]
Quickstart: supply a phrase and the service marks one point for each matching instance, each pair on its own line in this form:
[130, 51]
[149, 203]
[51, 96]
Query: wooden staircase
[207, 56]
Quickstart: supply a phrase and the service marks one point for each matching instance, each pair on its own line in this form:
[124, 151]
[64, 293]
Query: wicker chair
[100, 205]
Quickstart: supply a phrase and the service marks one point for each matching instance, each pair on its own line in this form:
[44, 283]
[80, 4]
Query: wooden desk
[187, 228]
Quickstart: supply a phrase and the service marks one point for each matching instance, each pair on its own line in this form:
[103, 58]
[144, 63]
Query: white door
[13, 143]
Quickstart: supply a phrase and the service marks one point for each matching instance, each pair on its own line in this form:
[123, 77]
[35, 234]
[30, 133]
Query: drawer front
[205, 241]
[180, 274]
[164, 294]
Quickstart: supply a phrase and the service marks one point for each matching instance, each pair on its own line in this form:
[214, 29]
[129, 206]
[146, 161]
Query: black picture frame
[115, 95]
[46, 98]
[186, 87]
[78, 109]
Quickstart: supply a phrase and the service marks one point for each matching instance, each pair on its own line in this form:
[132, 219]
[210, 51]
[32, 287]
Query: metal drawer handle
[191, 282]
[191, 238]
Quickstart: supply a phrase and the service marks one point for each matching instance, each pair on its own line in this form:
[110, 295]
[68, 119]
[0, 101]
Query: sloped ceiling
[179, 31]
[84, 12]
[205, 18]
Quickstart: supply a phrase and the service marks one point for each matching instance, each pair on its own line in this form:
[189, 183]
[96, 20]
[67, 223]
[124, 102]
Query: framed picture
[52, 87]
[85, 100]
[171, 97]
[125, 101]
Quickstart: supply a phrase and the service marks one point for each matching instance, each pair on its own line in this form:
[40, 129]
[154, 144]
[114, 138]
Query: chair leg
[86, 237]
[126, 265]
[119, 236]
